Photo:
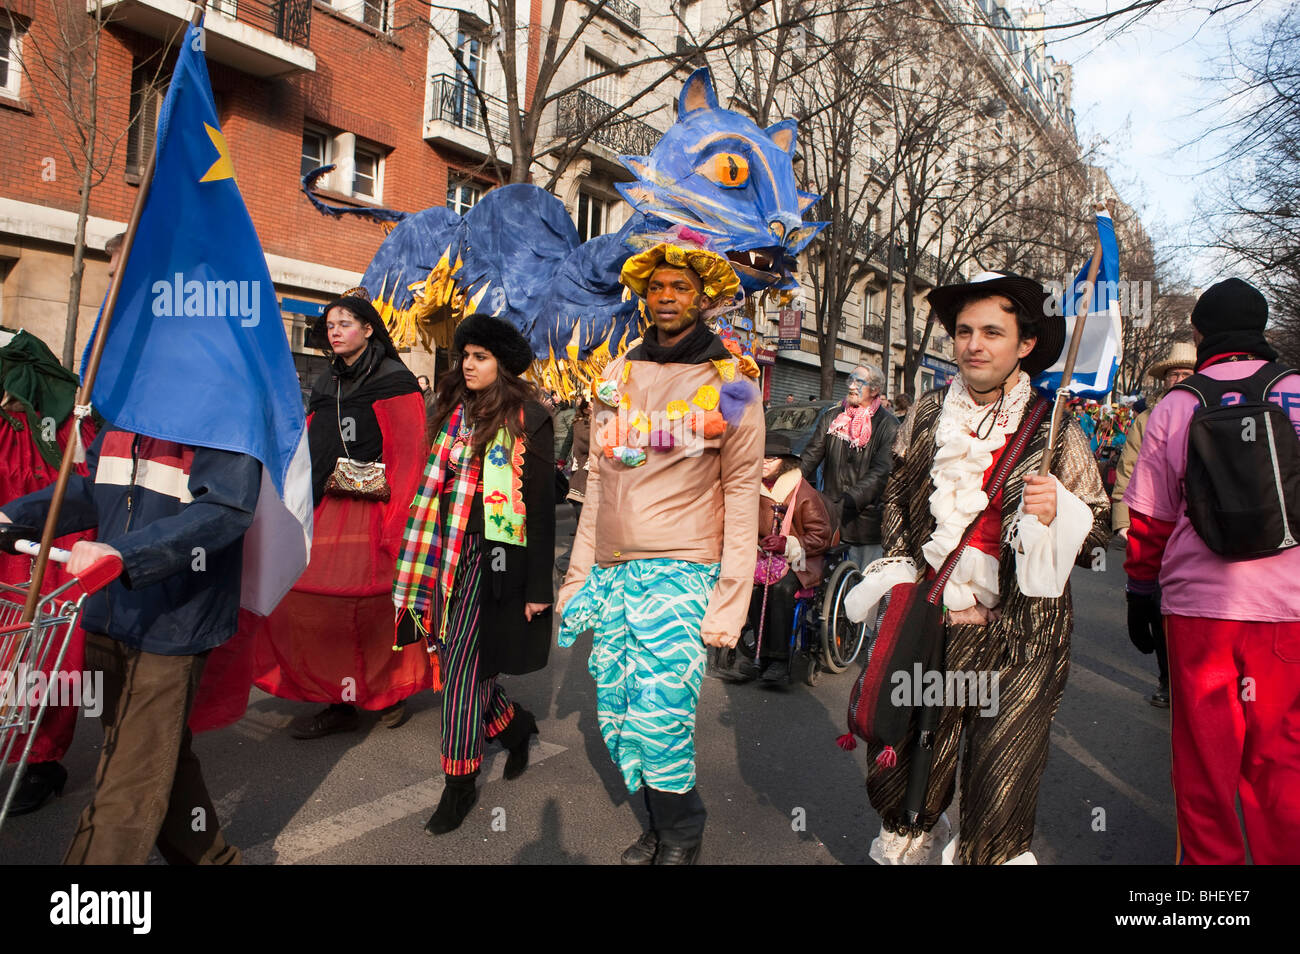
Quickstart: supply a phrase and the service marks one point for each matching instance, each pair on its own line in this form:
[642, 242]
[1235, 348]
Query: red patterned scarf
[854, 424]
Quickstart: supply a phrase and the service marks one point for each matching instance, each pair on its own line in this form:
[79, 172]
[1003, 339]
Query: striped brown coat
[1029, 626]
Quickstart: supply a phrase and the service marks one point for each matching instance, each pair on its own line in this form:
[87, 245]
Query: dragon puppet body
[715, 180]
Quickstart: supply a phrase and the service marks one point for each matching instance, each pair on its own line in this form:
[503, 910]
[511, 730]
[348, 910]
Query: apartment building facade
[409, 100]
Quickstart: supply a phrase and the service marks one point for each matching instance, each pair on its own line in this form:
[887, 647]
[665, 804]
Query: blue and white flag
[197, 352]
[1100, 350]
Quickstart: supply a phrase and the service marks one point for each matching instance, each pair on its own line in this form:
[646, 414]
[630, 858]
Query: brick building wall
[366, 83]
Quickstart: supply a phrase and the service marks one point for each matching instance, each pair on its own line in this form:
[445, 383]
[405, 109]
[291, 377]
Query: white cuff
[794, 554]
[1045, 555]
[877, 579]
[974, 580]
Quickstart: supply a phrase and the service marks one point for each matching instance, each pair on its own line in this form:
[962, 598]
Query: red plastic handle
[100, 573]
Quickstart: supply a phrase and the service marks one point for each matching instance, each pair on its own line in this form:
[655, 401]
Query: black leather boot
[516, 737]
[42, 780]
[458, 797]
[679, 820]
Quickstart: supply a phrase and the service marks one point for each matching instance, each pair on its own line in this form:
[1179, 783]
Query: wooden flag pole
[92, 368]
[1063, 391]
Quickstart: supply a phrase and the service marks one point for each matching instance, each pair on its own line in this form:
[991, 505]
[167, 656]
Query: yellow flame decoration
[436, 308]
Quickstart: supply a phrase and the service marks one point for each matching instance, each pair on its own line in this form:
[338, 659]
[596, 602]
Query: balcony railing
[624, 10]
[580, 113]
[455, 101]
[262, 38]
[290, 20]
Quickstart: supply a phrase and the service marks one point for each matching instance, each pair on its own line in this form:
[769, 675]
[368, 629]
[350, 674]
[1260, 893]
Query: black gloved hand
[10, 533]
[848, 509]
[1145, 624]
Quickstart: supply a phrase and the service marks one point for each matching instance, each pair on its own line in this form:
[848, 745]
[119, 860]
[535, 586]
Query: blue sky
[1143, 91]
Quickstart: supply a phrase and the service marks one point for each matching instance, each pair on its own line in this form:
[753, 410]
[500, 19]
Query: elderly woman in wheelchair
[794, 534]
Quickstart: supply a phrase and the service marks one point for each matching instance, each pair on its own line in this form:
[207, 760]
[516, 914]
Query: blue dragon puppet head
[715, 180]
[718, 181]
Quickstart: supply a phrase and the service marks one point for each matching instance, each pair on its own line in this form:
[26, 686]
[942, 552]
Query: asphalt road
[777, 788]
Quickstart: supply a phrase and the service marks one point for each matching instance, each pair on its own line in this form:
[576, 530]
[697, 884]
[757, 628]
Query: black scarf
[1247, 340]
[698, 346]
[350, 393]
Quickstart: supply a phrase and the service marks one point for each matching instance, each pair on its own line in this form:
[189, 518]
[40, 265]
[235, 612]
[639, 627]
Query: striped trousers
[1004, 758]
[471, 707]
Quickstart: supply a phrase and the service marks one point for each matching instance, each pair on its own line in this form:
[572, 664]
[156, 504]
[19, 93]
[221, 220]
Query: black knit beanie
[1231, 317]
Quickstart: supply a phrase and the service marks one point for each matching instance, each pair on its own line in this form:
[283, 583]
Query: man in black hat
[1013, 573]
[1232, 625]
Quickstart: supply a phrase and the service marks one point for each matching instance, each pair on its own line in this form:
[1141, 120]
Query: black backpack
[1243, 467]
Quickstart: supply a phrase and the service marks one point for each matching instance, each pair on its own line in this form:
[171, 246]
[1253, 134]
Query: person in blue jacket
[176, 516]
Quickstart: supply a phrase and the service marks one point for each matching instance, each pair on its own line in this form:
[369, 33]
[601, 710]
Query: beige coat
[697, 502]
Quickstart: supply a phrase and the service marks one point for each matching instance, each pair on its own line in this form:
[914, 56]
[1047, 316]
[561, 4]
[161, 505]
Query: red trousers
[1235, 693]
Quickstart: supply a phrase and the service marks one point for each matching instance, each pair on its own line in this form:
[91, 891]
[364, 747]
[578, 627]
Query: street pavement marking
[1067, 743]
[296, 845]
[1123, 663]
[1093, 681]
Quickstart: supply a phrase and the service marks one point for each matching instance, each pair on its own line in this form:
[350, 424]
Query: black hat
[504, 340]
[1027, 295]
[1231, 316]
[356, 301]
[1231, 305]
[777, 445]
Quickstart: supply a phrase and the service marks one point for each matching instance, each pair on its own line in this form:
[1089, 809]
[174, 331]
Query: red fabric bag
[911, 632]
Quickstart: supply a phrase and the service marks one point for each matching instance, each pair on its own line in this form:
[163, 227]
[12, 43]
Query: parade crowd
[434, 566]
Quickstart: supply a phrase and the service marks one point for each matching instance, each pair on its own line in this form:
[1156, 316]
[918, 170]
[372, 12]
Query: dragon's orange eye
[726, 169]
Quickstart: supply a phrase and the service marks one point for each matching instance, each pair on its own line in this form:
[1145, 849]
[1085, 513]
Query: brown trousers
[148, 788]
[1004, 757]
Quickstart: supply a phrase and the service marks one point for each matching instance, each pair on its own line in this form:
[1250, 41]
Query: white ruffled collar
[960, 461]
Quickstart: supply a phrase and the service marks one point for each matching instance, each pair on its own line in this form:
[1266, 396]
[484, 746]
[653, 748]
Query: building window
[147, 90]
[315, 150]
[225, 7]
[606, 87]
[462, 194]
[591, 216]
[471, 73]
[373, 13]
[367, 164]
[11, 72]
[472, 50]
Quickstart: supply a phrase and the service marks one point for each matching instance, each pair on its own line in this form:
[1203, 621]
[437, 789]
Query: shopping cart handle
[100, 573]
[32, 549]
[93, 578]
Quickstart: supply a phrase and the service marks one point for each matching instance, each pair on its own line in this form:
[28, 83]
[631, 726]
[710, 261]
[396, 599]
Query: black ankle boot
[516, 737]
[42, 780]
[679, 820]
[458, 797]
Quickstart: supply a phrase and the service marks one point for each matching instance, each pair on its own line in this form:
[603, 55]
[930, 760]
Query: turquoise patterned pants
[648, 663]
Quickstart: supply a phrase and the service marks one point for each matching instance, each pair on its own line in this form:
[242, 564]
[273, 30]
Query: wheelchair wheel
[747, 643]
[841, 637]
[814, 673]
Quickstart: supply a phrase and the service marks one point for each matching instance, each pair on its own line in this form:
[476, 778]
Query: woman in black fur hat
[474, 576]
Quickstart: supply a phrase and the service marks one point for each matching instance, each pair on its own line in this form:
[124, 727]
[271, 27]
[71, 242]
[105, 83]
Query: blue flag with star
[196, 351]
